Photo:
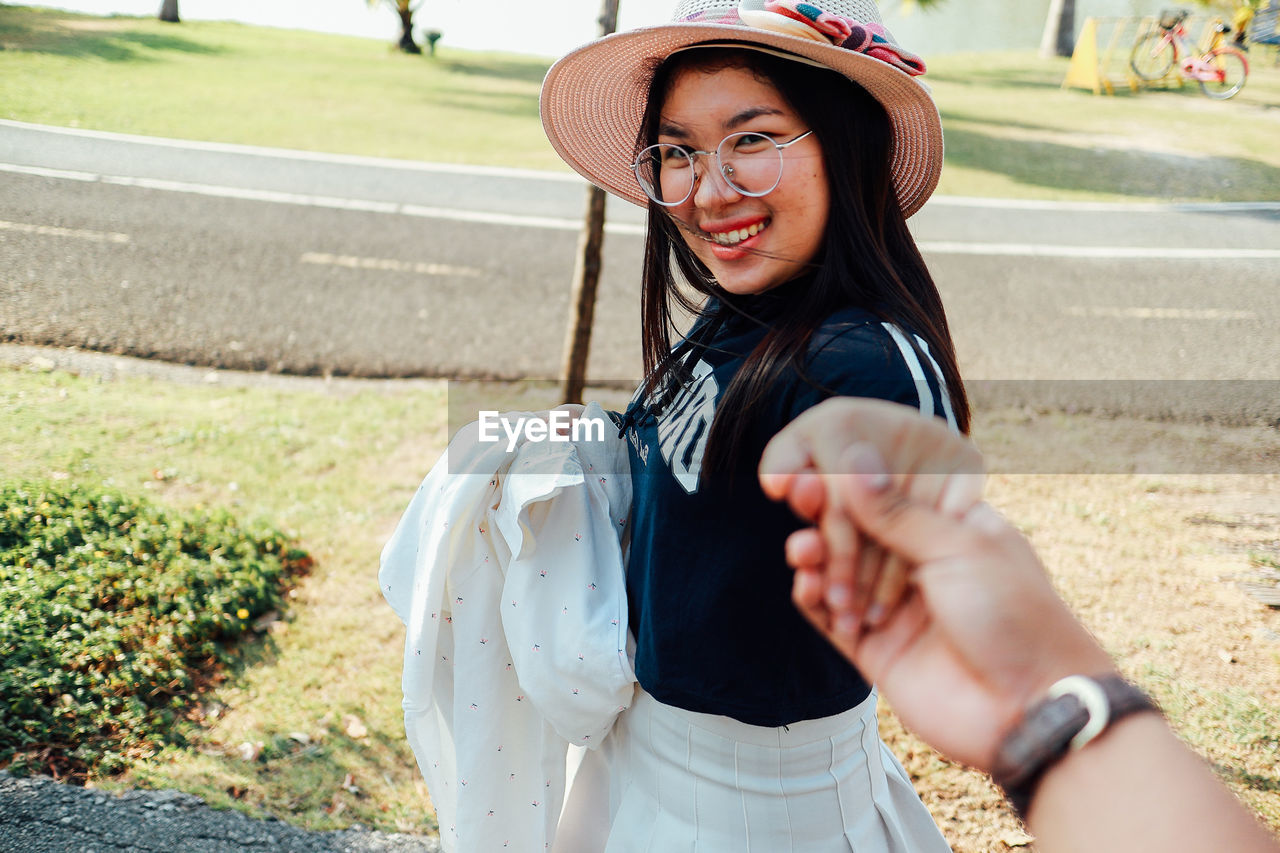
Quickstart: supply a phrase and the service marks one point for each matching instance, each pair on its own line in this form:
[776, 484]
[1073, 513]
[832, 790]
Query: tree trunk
[586, 273]
[407, 44]
[582, 298]
[169, 11]
[1059, 29]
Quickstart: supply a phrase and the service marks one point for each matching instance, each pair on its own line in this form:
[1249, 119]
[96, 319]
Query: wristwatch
[1075, 710]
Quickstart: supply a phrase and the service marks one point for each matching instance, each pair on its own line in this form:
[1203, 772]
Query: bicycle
[1221, 71]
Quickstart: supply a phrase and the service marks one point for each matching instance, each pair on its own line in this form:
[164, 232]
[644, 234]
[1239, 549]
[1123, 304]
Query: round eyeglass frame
[724, 170]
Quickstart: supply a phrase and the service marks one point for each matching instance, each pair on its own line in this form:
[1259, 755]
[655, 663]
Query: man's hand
[860, 583]
[980, 633]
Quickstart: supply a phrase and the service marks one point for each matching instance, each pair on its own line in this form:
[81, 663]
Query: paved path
[38, 815]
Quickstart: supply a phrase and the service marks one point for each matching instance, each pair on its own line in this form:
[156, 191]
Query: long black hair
[868, 260]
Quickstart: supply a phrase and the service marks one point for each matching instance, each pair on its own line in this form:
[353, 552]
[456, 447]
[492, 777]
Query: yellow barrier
[1094, 63]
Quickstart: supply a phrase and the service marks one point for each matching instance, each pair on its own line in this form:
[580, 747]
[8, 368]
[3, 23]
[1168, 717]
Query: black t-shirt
[708, 587]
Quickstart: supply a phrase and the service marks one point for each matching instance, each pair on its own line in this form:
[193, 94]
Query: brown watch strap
[1046, 731]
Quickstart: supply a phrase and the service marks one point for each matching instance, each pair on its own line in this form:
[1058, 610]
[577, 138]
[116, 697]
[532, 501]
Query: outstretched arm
[981, 637]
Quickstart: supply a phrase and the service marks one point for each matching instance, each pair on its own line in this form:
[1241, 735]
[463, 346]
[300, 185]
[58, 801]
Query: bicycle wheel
[1152, 57]
[1233, 70]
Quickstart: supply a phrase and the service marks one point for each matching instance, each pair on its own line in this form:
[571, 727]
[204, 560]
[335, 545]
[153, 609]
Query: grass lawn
[308, 726]
[321, 466]
[229, 82]
[1011, 130]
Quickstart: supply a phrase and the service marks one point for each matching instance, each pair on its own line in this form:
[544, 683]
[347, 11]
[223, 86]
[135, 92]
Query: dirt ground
[1151, 561]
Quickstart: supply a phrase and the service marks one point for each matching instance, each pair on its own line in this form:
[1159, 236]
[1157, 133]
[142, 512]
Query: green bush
[113, 612]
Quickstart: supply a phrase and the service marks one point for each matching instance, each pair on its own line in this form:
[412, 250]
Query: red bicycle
[1220, 70]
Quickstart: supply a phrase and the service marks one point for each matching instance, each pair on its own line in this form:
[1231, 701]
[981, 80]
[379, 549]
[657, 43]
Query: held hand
[861, 582]
[982, 633]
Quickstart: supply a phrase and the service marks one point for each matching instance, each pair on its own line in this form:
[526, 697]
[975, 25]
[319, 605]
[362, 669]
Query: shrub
[113, 612]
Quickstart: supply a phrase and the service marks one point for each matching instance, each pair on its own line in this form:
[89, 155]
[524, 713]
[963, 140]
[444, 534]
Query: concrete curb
[106, 366]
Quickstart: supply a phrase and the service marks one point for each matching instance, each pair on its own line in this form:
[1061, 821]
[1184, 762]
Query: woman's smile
[736, 240]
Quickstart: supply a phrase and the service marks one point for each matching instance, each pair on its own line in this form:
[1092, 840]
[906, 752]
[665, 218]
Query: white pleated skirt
[678, 780]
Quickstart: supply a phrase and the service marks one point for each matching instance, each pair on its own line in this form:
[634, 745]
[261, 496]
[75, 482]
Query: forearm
[1137, 787]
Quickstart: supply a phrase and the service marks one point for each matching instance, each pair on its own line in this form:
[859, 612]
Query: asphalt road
[289, 262]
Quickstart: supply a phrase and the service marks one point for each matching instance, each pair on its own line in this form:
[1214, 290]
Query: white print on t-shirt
[642, 450]
[683, 428]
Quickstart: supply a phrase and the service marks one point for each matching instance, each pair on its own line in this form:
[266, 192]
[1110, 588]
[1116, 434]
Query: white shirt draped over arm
[508, 572]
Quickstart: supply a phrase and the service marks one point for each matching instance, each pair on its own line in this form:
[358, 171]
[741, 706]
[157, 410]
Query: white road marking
[41, 172]
[311, 156]
[57, 231]
[512, 219]
[277, 197]
[480, 217]
[1045, 250]
[1158, 313]
[388, 264]
[1101, 206]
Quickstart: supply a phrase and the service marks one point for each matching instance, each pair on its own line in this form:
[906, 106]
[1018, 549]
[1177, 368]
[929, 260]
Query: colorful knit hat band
[809, 21]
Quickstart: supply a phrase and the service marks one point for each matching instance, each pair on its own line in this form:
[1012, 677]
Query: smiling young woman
[779, 148]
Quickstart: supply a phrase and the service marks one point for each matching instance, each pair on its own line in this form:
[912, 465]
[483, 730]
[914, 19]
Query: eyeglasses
[749, 162]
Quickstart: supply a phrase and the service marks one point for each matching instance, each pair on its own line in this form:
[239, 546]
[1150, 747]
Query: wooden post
[586, 273]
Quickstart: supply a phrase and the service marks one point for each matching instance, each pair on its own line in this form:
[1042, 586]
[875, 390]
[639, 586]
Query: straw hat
[594, 98]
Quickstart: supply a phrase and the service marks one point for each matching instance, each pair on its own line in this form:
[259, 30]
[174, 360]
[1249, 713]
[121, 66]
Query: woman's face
[702, 108]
